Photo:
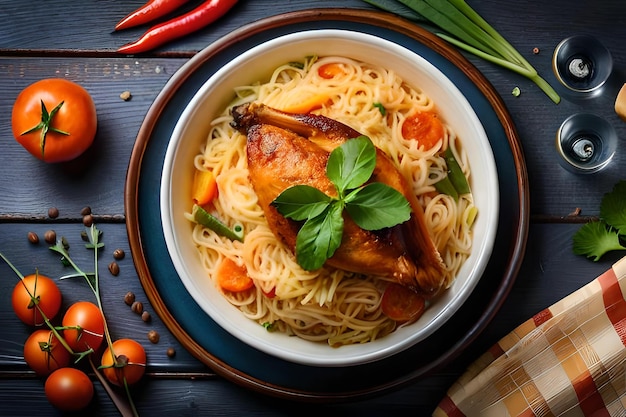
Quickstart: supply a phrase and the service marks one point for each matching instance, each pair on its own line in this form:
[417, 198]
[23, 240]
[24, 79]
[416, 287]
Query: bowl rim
[379, 350]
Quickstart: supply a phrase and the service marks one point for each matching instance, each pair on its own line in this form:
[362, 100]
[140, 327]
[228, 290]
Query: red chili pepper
[148, 12]
[196, 19]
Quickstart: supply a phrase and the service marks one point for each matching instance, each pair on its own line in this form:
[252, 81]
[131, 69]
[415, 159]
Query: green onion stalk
[464, 28]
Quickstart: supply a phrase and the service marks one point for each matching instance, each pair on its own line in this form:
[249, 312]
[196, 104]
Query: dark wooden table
[74, 40]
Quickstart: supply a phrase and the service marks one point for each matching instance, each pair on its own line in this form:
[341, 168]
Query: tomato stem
[45, 125]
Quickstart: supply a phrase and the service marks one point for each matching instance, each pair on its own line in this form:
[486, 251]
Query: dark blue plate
[237, 361]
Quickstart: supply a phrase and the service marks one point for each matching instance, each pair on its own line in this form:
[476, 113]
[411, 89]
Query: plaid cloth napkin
[567, 360]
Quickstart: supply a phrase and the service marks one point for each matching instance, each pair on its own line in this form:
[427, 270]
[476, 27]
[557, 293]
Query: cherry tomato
[36, 289]
[425, 127]
[83, 326]
[44, 353]
[401, 304]
[54, 119]
[130, 362]
[69, 389]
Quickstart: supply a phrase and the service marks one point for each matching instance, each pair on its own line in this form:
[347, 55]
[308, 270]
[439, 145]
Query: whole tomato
[69, 389]
[32, 290]
[54, 119]
[127, 360]
[44, 353]
[83, 326]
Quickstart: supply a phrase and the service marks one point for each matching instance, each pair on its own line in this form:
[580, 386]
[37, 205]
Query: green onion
[454, 184]
[455, 173]
[444, 186]
[206, 219]
[467, 30]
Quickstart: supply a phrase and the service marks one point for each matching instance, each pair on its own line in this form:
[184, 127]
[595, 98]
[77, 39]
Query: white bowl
[257, 64]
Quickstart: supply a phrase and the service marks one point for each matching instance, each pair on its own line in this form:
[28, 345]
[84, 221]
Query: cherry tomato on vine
[32, 290]
[401, 304]
[54, 119]
[69, 389]
[44, 353]
[129, 362]
[83, 325]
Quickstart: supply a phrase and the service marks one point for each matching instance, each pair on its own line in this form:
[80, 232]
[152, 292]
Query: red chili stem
[150, 11]
[196, 19]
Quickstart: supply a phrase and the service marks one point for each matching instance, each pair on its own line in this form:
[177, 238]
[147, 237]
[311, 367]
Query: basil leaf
[301, 202]
[319, 237]
[351, 164]
[377, 206]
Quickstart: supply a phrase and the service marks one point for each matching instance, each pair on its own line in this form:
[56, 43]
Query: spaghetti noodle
[327, 305]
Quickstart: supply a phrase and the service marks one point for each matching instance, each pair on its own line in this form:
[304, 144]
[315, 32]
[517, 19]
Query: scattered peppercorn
[535, 50]
[171, 352]
[125, 95]
[88, 220]
[50, 237]
[153, 336]
[85, 211]
[137, 307]
[129, 298]
[119, 254]
[145, 316]
[114, 268]
[33, 237]
[53, 212]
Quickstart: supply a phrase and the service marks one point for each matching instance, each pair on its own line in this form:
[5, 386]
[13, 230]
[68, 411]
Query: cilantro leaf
[351, 164]
[301, 202]
[596, 238]
[377, 206]
[319, 237]
[613, 207]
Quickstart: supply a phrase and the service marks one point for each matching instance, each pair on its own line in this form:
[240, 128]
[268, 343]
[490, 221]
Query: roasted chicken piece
[290, 149]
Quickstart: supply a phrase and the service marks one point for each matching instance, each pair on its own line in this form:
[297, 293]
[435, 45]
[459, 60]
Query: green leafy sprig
[371, 206]
[608, 233]
[92, 236]
[462, 26]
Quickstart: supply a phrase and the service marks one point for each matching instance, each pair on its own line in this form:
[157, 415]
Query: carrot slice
[204, 188]
[330, 70]
[425, 127]
[309, 104]
[401, 304]
[233, 277]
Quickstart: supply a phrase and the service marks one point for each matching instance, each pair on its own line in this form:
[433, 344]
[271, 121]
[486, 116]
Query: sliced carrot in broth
[330, 70]
[425, 127]
[204, 188]
[401, 304]
[233, 277]
[309, 104]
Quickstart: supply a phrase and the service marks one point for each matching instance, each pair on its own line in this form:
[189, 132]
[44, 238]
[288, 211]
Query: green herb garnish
[463, 27]
[372, 206]
[598, 237]
[381, 108]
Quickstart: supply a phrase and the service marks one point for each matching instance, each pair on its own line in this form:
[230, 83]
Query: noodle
[327, 305]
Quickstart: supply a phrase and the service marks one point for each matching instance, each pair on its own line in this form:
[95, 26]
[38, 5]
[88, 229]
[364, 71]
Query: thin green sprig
[463, 27]
[93, 280]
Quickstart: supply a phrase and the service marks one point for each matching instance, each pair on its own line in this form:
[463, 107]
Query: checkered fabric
[567, 360]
